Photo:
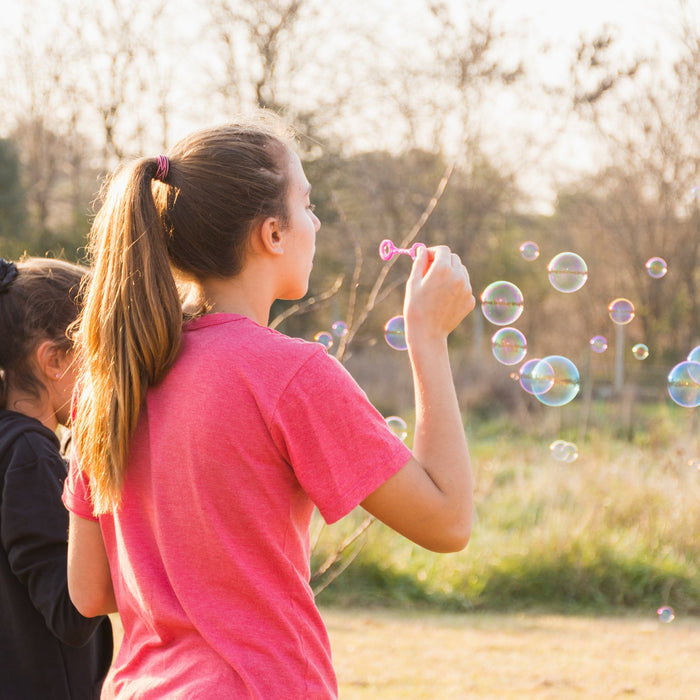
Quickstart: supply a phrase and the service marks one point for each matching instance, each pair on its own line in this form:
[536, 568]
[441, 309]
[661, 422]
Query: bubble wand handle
[387, 250]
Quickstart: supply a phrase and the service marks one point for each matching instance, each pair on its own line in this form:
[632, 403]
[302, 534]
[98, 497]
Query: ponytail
[192, 212]
[130, 328]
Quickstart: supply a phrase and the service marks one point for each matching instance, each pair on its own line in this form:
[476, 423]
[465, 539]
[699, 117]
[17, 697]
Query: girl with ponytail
[204, 440]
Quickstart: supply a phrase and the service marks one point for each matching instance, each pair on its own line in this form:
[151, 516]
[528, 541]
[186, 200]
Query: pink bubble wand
[387, 250]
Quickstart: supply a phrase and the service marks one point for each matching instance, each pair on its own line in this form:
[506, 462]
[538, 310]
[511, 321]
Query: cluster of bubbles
[564, 451]
[554, 380]
[339, 330]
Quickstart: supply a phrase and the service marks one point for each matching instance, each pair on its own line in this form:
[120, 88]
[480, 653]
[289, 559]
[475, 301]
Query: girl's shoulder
[25, 438]
[233, 331]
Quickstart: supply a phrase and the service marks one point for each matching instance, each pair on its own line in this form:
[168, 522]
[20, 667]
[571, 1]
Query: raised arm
[429, 500]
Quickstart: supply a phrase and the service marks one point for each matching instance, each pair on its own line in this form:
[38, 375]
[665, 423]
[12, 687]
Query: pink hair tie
[163, 168]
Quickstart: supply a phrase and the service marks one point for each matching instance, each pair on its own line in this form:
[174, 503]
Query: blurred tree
[642, 201]
[255, 37]
[13, 209]
[120, 74]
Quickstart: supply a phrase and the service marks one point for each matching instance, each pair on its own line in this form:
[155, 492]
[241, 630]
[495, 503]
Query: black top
[48, 650]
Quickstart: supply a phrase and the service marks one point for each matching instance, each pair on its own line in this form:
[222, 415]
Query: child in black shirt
[47, 649]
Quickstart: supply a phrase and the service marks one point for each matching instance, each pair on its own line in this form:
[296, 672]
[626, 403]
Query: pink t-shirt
[209, 551]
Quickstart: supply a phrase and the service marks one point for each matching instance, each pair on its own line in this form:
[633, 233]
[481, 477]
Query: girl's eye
[311, 207]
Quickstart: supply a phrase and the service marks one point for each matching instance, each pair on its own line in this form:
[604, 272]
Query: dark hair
[39, 303]
[194, 216]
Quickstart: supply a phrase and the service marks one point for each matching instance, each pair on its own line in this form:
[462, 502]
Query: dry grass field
[396, 655]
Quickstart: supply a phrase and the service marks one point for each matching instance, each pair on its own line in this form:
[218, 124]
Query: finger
[421, 263]
[440, 259]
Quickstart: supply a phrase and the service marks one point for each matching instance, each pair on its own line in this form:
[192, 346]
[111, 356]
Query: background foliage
[398, 112]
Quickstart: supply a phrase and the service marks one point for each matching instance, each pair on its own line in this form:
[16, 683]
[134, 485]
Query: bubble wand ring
[387, 250]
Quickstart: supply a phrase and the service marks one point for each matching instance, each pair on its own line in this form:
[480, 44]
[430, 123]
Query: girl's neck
[243, 294]
[30, 405]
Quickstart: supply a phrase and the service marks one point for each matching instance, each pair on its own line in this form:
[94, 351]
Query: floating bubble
[666, 614]
[509, 346]
[621, 311]
[530, 251]
[564, 451]
[571, 453]
[684, 384]
[656, 267]
[502, 303]
[567, 272]
[566, 382]
[694, 354]
[325, 338]
[398, 426]
[598, 343]
[395, 333]
[640, 351]
[539, 381]
[340, 328]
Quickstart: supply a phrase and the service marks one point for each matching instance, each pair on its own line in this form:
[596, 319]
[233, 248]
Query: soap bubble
[325, 338]
[694, 354]
[656, 267]
[501, 303]
[640, 351]
[598, 343]
[395, 333]
[684, 384]
[530, 251]
[398, 426]
[509, 346]
[536, 376]
[621, 311]
[564, 451]
[567, 272]
[340, 328]
[666, 614]
[566, 381]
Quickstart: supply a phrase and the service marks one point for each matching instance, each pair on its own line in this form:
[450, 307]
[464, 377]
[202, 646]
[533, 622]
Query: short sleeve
[335, 440]
[76, 491]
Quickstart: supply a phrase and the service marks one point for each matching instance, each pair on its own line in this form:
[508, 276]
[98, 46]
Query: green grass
[616, 530]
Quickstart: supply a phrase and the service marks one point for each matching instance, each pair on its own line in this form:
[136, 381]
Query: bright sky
[640, 26]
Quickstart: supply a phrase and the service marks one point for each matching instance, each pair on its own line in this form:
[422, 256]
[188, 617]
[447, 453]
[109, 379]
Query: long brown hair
[196, 221]
[39, 300]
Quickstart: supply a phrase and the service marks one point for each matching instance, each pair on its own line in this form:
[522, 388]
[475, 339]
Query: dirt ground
[394, 655]
[408, 655]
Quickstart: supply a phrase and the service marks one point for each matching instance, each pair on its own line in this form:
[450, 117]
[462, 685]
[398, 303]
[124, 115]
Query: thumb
[421, 264]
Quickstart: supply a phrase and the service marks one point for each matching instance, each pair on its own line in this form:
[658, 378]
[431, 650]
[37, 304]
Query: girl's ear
[51, 360]
[269, 236]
